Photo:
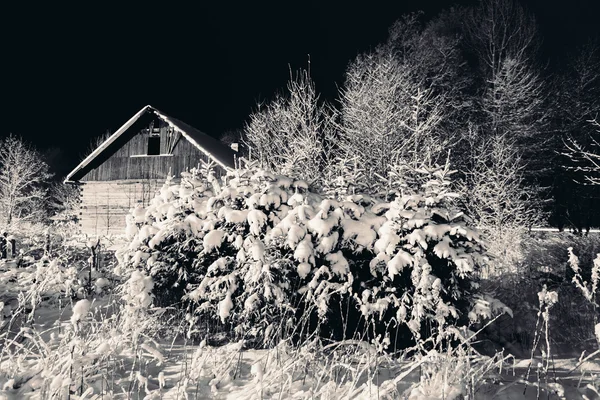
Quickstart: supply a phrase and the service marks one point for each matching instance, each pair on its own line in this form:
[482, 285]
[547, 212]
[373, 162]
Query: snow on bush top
[255, 245]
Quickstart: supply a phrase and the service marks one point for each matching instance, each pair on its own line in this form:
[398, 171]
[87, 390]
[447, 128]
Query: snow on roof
[220, 153]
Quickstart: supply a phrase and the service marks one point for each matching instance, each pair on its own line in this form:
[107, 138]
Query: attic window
[154, 145]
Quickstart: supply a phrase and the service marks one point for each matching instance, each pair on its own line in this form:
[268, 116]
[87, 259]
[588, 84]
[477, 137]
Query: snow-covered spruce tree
[265, 256]
[343, 176]
[163, 236]
[426, 259]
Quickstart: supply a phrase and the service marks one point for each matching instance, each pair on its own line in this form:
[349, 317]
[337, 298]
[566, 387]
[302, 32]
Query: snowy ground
[173, 369]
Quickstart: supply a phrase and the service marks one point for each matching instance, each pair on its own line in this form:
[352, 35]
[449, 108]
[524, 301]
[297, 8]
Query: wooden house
[129, 167]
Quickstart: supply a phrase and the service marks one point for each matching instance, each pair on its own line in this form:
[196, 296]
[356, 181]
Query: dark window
[153, 145]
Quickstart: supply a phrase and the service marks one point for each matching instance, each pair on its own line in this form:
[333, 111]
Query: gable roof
[215, 150]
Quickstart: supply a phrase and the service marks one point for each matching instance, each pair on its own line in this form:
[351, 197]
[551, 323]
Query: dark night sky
[71, 72]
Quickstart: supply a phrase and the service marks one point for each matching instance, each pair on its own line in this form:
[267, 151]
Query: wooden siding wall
[104, 205]
[121, 165]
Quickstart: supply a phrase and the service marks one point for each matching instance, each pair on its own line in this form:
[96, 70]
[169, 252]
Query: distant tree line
[470, 85]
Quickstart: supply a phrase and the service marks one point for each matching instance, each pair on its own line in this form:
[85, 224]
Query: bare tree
[435, 58]
[514, 100]
[95, 142]
[23, 179]
[63, 201]
[499, 201]
[585, 158]
[505, 40]
[575, 103]
[372, 111]
[398, 99]
[499, 30]
[579, 90]
[508, 138]
[289, 134]
[579, 99]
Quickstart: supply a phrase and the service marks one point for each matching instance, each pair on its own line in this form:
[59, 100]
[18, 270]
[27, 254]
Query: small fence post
[47, 244]
[12, 246]
[3, 246]
[93, 261]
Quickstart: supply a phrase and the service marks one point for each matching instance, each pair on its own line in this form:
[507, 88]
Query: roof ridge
[212, 148]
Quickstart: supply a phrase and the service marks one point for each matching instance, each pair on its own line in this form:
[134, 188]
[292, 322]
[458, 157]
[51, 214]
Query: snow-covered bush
[264, 255]
[455, 373]
[57, 346]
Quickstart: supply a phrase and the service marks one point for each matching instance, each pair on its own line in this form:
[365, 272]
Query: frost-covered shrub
[263, 254]
[546, 263]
